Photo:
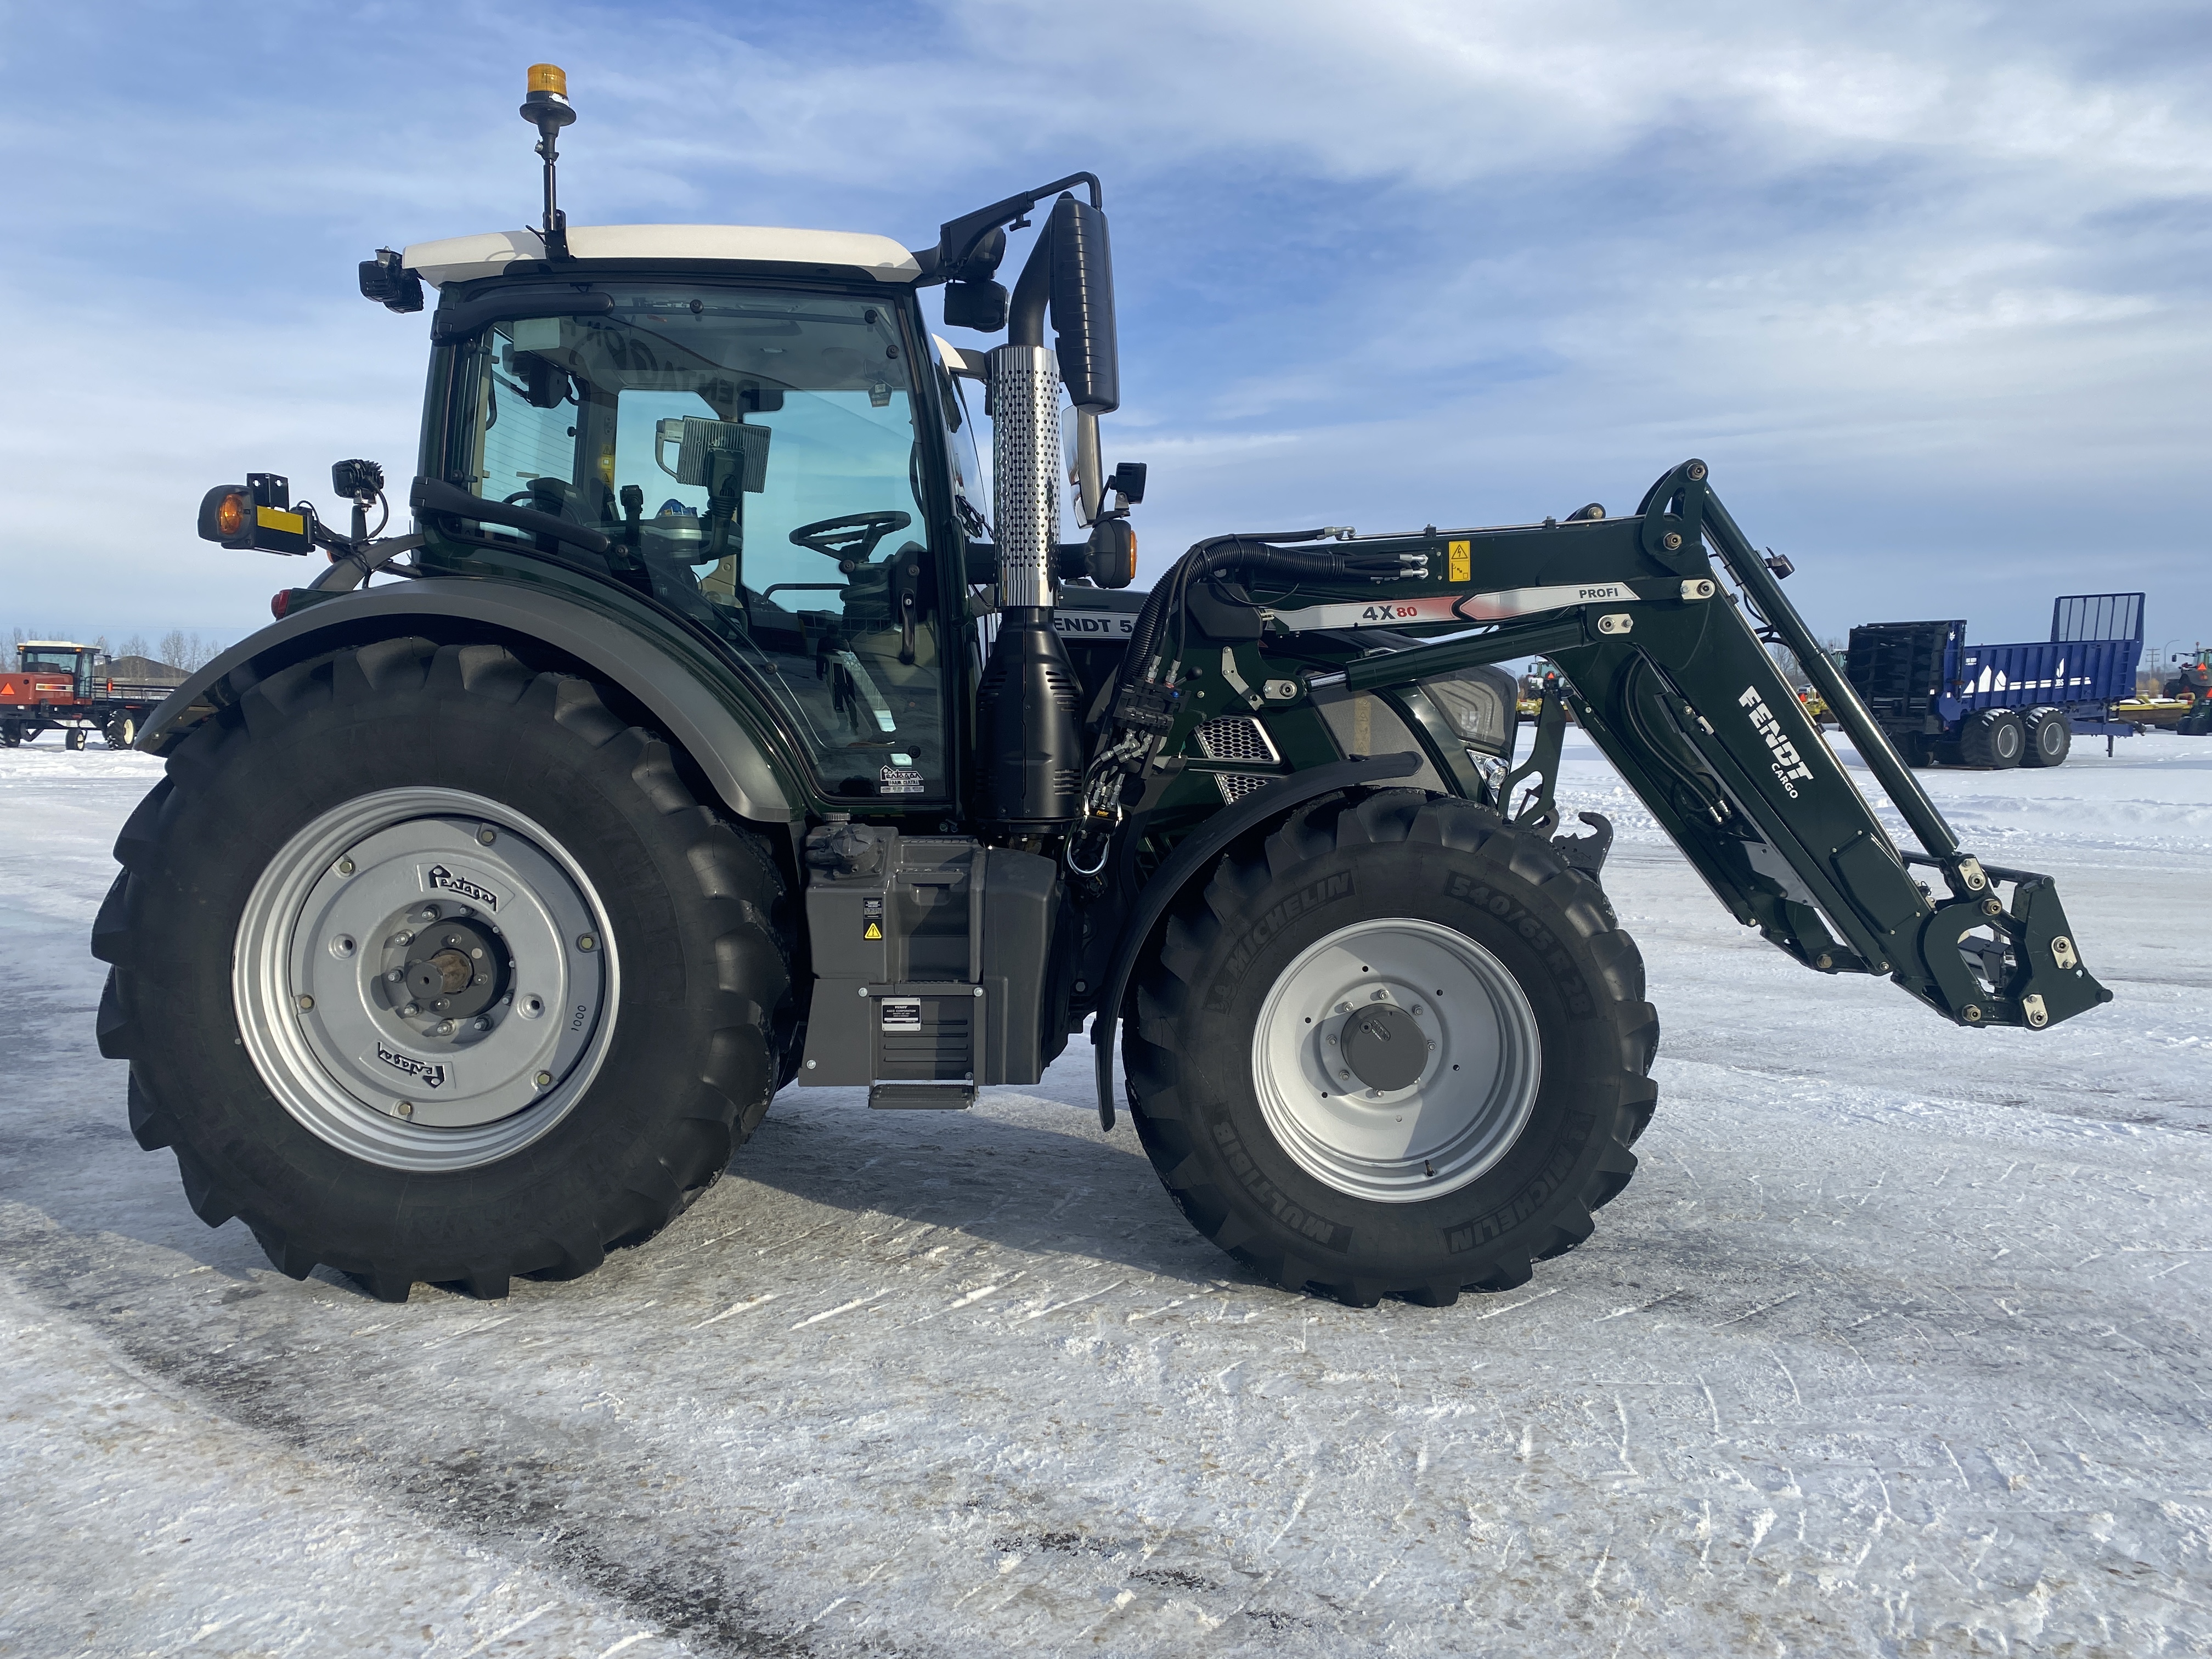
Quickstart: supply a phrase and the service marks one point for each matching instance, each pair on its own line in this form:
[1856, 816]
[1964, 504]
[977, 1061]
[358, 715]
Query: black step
[921, 1097]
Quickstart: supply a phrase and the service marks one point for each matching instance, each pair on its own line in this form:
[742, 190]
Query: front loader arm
[1671, 676]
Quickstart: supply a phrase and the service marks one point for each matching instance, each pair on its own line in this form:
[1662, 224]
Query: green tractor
[713, 733]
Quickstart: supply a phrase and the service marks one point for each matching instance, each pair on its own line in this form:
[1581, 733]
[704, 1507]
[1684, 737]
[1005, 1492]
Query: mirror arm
[1025, 316]
[1089, 478]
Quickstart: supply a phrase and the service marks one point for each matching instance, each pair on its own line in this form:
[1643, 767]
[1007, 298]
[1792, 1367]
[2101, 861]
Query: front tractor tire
[429, 967]
[1395, 1047]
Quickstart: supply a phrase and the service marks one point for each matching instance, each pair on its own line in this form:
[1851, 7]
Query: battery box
[931, 964]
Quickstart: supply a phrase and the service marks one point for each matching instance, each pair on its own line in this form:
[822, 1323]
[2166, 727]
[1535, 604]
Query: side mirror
[976, 305]
[1082, 292]
[256, 514]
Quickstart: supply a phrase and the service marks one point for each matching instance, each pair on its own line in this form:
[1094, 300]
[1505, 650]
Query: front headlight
[1480, 707]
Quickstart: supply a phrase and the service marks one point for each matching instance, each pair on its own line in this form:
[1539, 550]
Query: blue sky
[1926, 285]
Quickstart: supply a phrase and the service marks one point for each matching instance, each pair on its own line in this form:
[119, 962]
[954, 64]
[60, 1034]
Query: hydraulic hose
[1249, 557]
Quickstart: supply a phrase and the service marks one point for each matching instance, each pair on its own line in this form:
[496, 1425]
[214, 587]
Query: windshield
[65, 660]
[754, 456]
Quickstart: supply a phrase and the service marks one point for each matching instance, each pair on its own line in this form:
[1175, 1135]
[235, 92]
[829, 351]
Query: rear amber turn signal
[230, 515]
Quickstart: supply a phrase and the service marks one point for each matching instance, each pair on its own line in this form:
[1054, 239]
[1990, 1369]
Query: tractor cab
[749, 427]
[56, 671]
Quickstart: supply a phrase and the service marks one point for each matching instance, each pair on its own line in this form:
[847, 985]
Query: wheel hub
[1396, 1059]
[1385, 1050]
[423, 979]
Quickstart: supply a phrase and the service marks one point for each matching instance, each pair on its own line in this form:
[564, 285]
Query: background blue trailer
[1942, 700]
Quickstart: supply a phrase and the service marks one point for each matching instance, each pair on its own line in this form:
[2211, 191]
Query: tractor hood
[843, 252]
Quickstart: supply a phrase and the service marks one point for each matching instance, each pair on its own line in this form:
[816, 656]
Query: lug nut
[587, 942]
[306, 1003]
[445, 1028]
[477, 952]
[429, 913]
[546, 1079]
[479, 1025]
[486, 836]
[345, 866]
[410, 1011]
[404, 1108]
[1378, 995]
[452, 938]
[1418, 1009]
[394, 975]
[403, 937]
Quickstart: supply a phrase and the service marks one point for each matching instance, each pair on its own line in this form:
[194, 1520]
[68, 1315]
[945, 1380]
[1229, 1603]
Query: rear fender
[699, 709]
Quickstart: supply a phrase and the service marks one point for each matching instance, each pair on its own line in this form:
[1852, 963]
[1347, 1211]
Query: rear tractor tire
[1395, 1048]
[1994, 740]
[2049, 738]
[428, 966]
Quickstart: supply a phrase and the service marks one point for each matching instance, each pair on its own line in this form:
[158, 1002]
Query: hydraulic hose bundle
[1142, 709]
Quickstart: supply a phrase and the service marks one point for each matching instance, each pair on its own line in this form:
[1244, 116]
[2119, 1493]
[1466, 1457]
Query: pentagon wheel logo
[430, 1074]
[445, 881]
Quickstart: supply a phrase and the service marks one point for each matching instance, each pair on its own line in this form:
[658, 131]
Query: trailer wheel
[2049, 738]
[73, 738]
[1396, 1047]
[122, 732]
[11, 736]
[430, 967]
[1993, 740]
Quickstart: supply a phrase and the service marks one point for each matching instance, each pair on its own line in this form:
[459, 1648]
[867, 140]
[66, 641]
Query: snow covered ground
[1896, 1344]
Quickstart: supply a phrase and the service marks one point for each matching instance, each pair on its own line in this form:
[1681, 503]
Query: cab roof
[469, 259]
[52, 645]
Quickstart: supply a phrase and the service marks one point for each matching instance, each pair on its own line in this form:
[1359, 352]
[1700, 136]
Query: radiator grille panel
[1235, 738]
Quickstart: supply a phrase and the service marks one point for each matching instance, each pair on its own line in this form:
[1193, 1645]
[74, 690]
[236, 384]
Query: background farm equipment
[1942, 700]
[58, 686]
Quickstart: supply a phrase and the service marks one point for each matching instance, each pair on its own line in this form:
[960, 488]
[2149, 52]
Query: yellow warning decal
[1462, 566]
[275, 518]
[873, 930]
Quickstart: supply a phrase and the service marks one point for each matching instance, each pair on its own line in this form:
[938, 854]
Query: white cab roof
[465, 258]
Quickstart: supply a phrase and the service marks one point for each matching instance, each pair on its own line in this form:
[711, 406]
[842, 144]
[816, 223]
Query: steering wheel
[556, 499]
[851, 540]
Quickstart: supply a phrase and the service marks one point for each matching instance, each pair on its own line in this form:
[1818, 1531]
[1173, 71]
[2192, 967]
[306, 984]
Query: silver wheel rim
[424, 979]
[1373, 990]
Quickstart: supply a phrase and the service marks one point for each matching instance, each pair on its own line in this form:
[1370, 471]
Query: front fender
[698, 710]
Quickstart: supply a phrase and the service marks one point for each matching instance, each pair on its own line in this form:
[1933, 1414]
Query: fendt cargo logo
[1788, 763]
[429, 1073]
[445, 881]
